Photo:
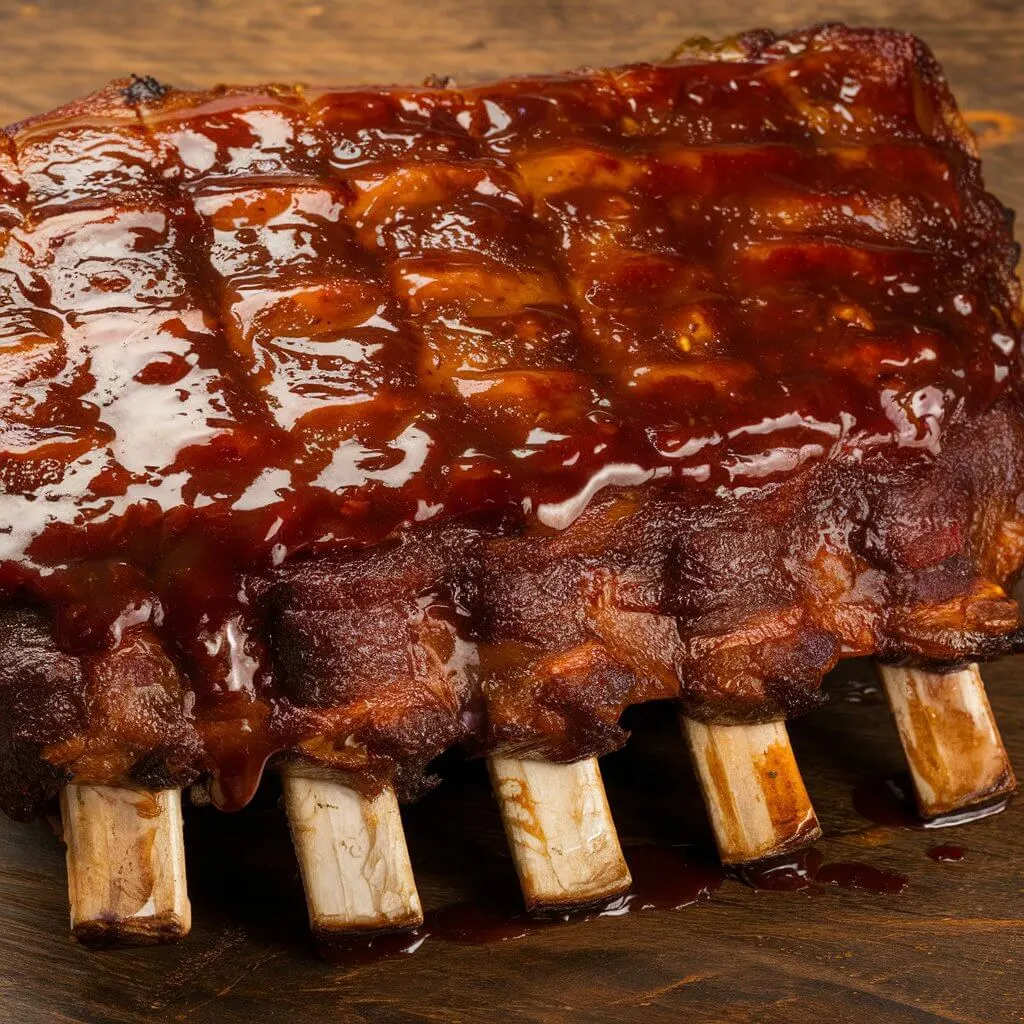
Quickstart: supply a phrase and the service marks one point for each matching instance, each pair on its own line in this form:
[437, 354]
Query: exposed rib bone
[560, 831]
[949, 735]
[126, 865]
[352, 855]
[752, 787]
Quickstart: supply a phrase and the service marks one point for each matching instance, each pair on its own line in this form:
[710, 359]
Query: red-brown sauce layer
[242, 328]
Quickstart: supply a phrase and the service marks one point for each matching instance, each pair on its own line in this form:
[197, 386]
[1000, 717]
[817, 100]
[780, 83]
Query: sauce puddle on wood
[889, 802]
[664, 878]
[807, 870]
[947, 853]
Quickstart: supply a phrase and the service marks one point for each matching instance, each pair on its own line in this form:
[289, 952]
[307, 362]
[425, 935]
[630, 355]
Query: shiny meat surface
[369, 422]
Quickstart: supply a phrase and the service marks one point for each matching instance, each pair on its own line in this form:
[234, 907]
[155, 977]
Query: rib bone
[352, 855]
[752, 788]
[126, 865]
[560, 831]
[949, 735]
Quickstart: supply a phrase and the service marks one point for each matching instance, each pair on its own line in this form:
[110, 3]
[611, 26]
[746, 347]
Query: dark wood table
[949, 948]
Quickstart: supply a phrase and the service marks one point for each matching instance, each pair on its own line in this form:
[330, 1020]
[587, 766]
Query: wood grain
[951, 948]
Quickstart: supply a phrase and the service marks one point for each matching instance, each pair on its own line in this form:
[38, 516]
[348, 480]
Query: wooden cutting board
[950, 947]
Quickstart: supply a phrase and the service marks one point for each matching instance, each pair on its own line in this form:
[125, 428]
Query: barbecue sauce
[947, 853]
[807, 869]
[890, 802]
[664, 878]
[254, 326]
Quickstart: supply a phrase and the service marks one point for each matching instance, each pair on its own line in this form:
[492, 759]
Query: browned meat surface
[365, 423]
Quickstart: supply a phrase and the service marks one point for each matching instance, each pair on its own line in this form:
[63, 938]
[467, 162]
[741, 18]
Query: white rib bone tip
[755, 796]
[126, 865]
[560, 832]
[953, 748]
[352, 856]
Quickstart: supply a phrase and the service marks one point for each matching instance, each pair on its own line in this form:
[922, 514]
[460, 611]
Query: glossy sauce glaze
[250, 326]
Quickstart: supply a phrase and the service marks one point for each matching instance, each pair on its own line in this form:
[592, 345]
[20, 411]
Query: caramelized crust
[362, 423]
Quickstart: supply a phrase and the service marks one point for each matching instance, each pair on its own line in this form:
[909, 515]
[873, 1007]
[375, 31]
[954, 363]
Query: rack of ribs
[341, 427]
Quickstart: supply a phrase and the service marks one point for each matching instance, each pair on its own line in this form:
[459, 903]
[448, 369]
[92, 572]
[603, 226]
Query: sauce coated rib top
[370, 421]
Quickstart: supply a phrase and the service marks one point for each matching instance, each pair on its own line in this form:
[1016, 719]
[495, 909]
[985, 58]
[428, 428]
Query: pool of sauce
[947, 853]
[664, 879]
[890, 802]
[808, 870]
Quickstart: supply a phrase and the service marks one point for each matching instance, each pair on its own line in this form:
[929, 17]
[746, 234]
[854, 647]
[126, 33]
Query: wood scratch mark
[194, 967]
[973, 924]
[645, 998]
[249, 969]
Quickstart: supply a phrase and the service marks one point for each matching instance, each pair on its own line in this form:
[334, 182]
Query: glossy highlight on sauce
[890, 802]
[664, 878]
[808, 870]
[291, 319]
[947, 853]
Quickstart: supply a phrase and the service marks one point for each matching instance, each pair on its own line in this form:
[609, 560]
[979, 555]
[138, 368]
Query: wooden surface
[950, 948]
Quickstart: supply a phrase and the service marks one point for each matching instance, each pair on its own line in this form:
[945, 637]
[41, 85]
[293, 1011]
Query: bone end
[752, 788]
[952, 744]
[126, 865]
[560, 832]
[352, 857]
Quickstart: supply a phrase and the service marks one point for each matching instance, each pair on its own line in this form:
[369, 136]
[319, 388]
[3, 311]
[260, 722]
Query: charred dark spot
[144, 89]
[439, 82]
[153, 772]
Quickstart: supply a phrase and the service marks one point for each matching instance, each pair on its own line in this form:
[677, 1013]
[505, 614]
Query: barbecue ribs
[362, 423]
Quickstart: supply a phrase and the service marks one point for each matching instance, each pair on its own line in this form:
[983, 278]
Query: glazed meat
[364, 423]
